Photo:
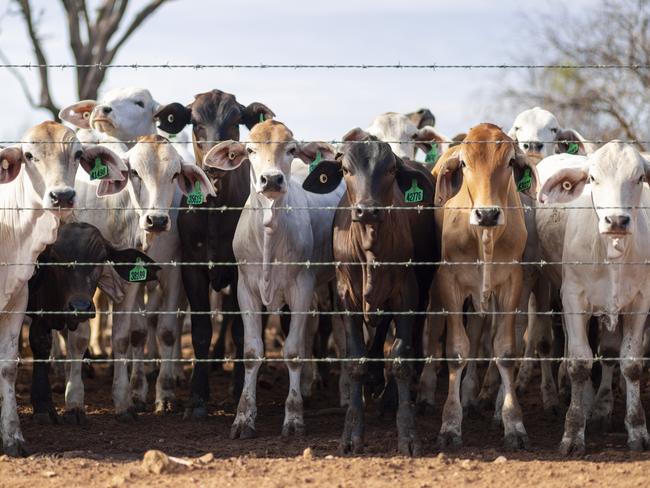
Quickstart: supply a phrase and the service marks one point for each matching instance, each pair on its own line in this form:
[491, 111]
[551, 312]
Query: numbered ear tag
[100, 170]
[573, 148]
[315, 162]
[138, 272]
[196, 197]
[432, 155]
[171, 137]
[525, 182]
[262, 117]
[414, 194]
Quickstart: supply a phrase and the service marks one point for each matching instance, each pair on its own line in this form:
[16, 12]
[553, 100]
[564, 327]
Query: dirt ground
[104, 452]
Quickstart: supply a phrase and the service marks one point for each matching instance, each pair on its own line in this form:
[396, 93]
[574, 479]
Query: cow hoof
[449, 441]
[46, 418]
[572, 447]
[127, 417]
[354, 446]
[293, 428]
[640, 444]
[166, 407]
[74, 416]
[409, 447]
[516, 441]
[242, 431]
[600, 424]
[16, 448]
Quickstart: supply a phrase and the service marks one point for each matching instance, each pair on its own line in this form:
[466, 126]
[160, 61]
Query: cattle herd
[354, 244]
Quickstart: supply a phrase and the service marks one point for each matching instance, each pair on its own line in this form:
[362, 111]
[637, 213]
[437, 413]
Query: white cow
[38, 177]
[157, 179]
[268, 235]
[401, 134]
[536, 129]
[611, 230]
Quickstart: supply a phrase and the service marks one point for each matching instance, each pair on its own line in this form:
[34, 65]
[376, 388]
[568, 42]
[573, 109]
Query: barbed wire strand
[311, 313]
[303, 141]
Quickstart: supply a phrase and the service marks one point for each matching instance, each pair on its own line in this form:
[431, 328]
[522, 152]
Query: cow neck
[487, 250]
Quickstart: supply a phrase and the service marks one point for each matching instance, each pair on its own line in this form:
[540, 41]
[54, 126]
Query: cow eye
[554, 130]
[462, 164]
[249, 150]
[345, 170]
[134, 174]
[140, 103]
[291, 150]
[592, 179]
[29, 156]
[641, 179]
[78, 155]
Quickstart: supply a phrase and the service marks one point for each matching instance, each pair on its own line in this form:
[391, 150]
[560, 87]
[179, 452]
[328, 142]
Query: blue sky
[315, 104]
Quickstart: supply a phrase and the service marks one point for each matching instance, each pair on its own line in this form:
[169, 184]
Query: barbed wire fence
[313, 313]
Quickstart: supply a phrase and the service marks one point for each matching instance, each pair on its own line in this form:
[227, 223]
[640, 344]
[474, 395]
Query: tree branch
[135, 23]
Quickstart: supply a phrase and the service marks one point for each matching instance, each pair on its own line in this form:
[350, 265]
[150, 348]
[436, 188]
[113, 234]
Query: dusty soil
[104, 452]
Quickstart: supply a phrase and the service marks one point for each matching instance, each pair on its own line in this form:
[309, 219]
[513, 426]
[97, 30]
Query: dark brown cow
[375, 177]
[206, 235]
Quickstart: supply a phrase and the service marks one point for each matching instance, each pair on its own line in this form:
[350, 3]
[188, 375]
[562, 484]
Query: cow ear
[524, 172]
[255, 112]
[173, 118]
[11, 160]
[567, 141]
[426, 137]
[140, 267]
[324, 178]
[78, 114]
[108, 168]
[422, 118]
[192, 178]
[356, 134]
[226, 156]
[309, 152]
[448, 175]
[564, 185]
[409, 178]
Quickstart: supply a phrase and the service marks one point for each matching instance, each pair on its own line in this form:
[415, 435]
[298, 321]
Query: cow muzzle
[364, 213]
[618, 224]
[156, 223]
[486, 217]
[61, 197]
[532, 146]
[272, 184]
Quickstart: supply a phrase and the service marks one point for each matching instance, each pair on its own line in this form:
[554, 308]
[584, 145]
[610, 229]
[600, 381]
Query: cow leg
[231, 304]
[122, 398]
[98, 324]
[154, 298]
[579, 371]
[137, 336]
[167, 333]
[13, 442]
[631, 369]
[457, 350]
[77, 343]
[310, 373]
[470, 382]
[338, 335]
[244, 425]
[353, 430]
[608, 347]
[504, 346]
[434, 328]
[542, 331]
[40, 342]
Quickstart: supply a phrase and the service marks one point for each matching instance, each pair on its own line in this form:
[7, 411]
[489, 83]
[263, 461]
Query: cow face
[488, 170]
[617, 174]
[124, 113]
[403, 136]
[534, 129]
[270, 149]
[50, 155]
[71, 288]
[155, 171]
[214, 116]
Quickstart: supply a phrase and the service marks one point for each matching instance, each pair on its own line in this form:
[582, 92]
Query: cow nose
[107, 110]
[487, 217]
[618, 222]
[62, 198]
[157, 223]
[366, 214]
[80, 305]
[272, 182]
[533, 146]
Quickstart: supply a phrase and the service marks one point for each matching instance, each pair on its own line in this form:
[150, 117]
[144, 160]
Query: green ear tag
[414, 194]
[261, 117]
[432, 155]
[171, 136]
[525, 182]
[573, 148]
[100, 170]
[195, 197]
[138, 272]
[315, 162]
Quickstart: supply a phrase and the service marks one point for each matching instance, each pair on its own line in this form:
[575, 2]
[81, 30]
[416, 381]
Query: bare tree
[603, 102]
[95, 38]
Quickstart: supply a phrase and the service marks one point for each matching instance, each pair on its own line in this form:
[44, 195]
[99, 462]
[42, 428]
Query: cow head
[488, 165]
[50, 155]
[534, 130]
[617, 174]
[403, 136]
[214, 116]
[71, 288]
[124, 114]
[270, 149]
[422, 118]
[155, 171]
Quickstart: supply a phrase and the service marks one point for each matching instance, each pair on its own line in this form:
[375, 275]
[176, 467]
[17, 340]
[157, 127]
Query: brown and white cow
[477, 183]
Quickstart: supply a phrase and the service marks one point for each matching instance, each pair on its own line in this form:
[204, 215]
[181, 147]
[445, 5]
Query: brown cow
[476, 183]
[375, 178]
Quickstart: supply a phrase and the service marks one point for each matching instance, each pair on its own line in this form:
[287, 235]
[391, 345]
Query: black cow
[206, 235]
[71, 289]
